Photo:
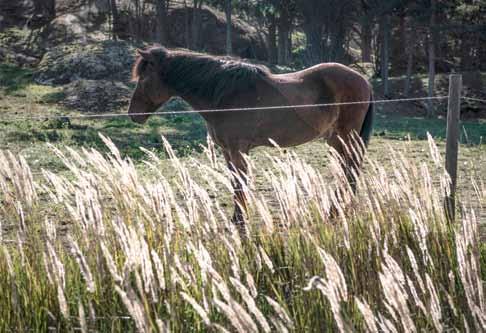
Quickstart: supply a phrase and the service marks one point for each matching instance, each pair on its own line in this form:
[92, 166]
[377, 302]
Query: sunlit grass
[107, 248]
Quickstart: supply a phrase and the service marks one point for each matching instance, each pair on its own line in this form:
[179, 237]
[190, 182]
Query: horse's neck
[198, 103]
[282, 85]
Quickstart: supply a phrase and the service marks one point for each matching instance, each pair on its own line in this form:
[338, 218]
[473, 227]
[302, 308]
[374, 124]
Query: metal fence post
[452, 145]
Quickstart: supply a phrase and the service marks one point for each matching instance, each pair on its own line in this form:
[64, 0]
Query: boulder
[64, 64]
[246, 41]
[16, 47]
[66, 28]
[96, 96]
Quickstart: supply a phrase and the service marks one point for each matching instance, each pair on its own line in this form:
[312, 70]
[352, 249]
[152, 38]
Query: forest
[400, 33]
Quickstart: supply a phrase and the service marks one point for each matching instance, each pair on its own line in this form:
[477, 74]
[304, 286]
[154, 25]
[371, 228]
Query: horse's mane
[204, 76]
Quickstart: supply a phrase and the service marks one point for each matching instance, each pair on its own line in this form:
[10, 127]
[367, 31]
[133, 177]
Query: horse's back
[339, 77]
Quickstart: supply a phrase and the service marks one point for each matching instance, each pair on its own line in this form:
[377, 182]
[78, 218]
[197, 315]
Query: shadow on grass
[185, 134]
[14, 78]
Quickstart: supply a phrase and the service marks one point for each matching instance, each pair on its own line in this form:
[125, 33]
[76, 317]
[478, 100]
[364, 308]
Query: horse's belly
[321, 120]
[288, 128]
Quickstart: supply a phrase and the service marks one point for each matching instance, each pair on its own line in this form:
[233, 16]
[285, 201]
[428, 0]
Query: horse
[223, 83]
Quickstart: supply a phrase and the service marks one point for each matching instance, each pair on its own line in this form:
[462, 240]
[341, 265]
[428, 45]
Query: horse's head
[151, 91]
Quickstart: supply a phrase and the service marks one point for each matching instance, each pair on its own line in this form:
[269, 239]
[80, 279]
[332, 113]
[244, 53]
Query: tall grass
[106, 248]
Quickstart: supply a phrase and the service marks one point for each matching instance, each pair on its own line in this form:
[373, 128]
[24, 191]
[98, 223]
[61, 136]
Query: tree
[115, 19]
[161, 11]
[366, 22]
[326, 25]
[385, 48]
[431, 48]
[285, 10]
[228, 10]
[196, 23]
[44, 10]
[409, 39]
[265, 14]
[313, 13]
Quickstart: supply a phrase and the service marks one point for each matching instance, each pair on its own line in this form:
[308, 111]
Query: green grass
[20, 97]
[399, 127]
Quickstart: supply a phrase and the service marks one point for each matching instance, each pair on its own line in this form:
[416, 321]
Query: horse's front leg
[238, 166]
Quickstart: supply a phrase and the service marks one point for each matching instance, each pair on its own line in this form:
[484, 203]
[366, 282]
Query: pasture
[130, 239]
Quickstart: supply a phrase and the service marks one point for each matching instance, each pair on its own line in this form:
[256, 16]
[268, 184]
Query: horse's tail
[367, 127]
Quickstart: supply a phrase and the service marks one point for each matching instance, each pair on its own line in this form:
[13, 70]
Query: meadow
[98, 234]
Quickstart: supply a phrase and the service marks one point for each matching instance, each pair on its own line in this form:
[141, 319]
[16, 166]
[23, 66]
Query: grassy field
[99, 242]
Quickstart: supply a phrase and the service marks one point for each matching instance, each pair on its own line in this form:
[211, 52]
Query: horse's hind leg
[351, 150]
[238, 166]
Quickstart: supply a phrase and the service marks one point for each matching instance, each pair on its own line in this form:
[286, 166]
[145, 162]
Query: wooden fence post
[452, 145]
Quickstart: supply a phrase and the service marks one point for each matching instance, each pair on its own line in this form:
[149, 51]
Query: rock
[14, 48]
[25, 60]
[64, 29]
[96, 96]
[247, 42]
[104, 60]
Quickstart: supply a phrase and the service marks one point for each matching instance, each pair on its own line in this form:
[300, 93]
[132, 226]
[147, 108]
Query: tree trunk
[45, 9]
[337, 51]
[409, 49]
[115, 19]
[272, 39]
[284, 30]
[228, 9]
[399, 53]
[283, 40]
[137, 22]
[385, 26]
[431, 48]
[161, 9]
[196, 23]
[366, 37]
[313, 47]
[187, 32]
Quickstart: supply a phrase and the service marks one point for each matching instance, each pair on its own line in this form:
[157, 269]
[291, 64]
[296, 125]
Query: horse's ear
[146, 55]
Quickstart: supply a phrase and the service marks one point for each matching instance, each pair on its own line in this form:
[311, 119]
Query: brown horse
[208, 82]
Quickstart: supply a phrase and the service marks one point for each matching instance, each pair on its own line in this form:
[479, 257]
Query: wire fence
[316, 107]
[474, 99]
[205, 111]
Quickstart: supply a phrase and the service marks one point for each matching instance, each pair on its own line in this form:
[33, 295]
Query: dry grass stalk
[162, 248]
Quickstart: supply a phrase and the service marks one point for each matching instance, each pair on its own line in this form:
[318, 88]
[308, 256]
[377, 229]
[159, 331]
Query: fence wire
[474, 99]
[180, 112]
